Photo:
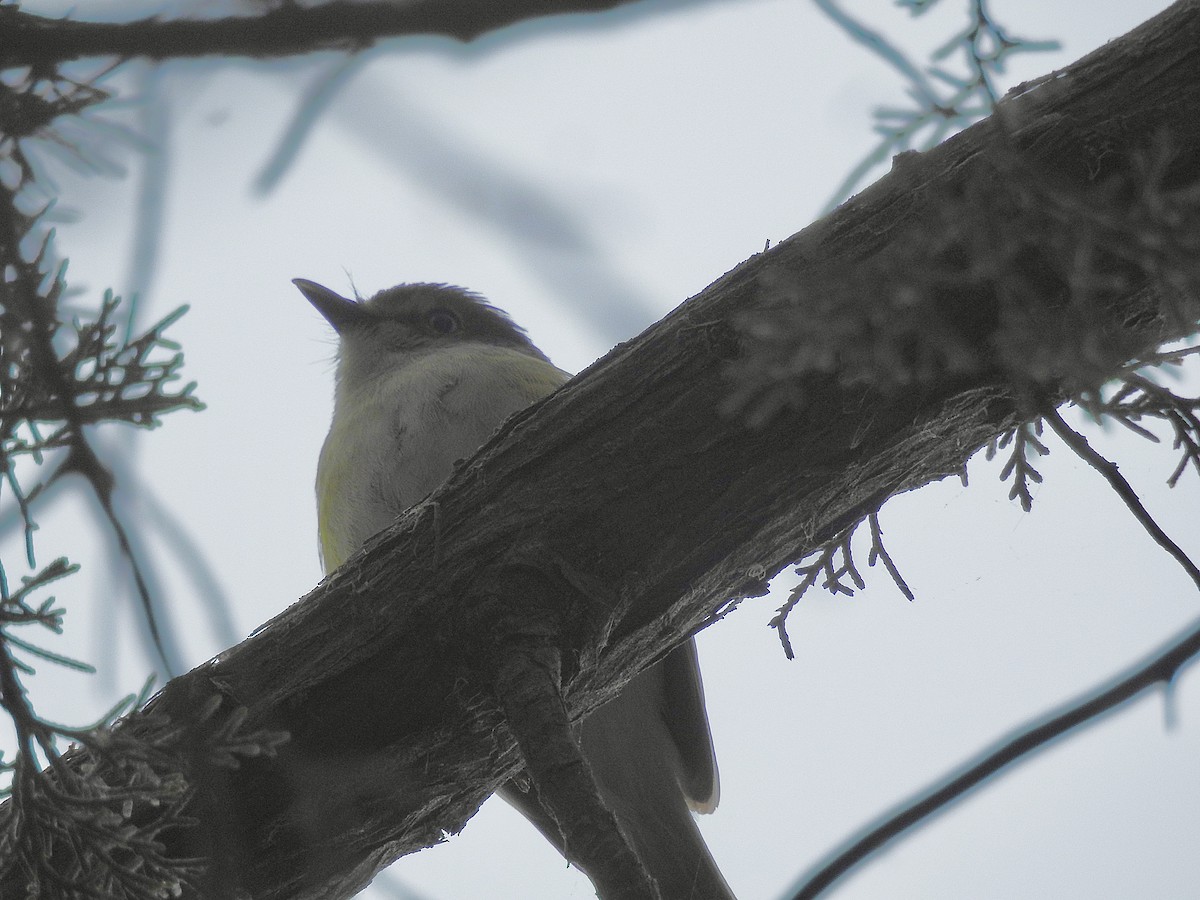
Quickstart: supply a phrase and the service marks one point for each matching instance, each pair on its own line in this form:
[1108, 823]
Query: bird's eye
[443, 321]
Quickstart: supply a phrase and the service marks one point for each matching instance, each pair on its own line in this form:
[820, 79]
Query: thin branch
[286, 30]
[83, 459]
[879, 554]
[1125, 491]
[809, 574]
[1163, 666]
[1181, 413]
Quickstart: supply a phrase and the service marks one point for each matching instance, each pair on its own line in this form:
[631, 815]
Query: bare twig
[879, 554]
[1124, 490]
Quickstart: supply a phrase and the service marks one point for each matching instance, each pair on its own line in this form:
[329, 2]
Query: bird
[425, 374]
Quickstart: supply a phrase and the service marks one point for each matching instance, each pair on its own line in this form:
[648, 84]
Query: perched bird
[425, 375]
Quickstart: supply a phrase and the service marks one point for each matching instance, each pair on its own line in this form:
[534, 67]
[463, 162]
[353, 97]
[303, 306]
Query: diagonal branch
[1124, 490]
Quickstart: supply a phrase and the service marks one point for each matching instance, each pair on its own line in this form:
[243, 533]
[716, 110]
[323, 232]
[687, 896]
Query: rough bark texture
[616, 516]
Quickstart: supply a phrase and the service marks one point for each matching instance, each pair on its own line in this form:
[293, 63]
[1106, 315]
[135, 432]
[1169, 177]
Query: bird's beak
[337, 310]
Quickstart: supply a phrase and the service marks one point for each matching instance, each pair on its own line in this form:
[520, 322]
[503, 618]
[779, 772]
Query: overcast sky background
[588, 175]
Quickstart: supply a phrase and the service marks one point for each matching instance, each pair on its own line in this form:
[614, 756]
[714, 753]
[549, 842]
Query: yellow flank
[331, 555]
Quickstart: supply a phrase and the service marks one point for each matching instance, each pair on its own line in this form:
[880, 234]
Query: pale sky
[588, 176]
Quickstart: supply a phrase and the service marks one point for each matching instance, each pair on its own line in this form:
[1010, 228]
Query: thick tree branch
[285, 30]
[639, 503]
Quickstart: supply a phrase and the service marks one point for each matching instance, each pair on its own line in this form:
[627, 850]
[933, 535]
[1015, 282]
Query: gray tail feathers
[643, 774]
[672, 849]
[666, 840]
[646, 748]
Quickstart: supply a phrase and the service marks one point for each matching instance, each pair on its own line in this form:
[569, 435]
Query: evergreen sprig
[74, 832]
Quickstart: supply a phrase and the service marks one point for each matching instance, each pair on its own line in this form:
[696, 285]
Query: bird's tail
[636, 762]
[669, 843]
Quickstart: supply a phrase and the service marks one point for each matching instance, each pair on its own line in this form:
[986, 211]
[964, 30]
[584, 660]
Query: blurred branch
[943, 101]
[1140, 398]
[285, 30]
[467, 176]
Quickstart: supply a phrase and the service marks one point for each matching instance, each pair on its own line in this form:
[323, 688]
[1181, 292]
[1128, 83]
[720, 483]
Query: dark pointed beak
[337, 310]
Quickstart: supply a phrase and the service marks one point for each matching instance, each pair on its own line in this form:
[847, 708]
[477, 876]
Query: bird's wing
[688, 724]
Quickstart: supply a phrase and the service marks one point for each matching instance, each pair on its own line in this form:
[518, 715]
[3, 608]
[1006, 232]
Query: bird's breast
[396, 438]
